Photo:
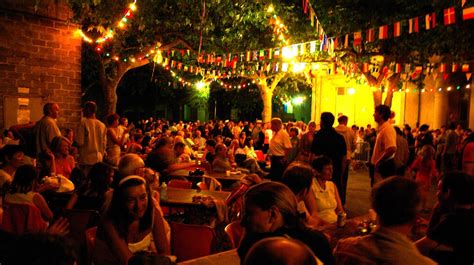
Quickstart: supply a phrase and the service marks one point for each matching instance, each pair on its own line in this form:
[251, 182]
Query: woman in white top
[115, 139]
[328, 201]
[22, 190]
[131, 224]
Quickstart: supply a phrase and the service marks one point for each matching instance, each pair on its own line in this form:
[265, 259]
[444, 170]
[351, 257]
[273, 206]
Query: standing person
[91, 138]
[46, 128]
[350, 138]
[425, 167]
[305, 142]
[448, 157]
[385, 144]
[279, 148]
[402, 154]
[396, 201]
[329, 143]
[115, 139]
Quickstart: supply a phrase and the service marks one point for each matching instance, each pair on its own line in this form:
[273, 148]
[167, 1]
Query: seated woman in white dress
[131, 224]
[328, 201]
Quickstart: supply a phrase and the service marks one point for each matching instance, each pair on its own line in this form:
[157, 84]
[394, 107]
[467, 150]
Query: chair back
[260, 155]
[180, 184]
[191, 241]
[90, 242]
[19, 218]
[209, 183]
[235, 232]
[79, 221]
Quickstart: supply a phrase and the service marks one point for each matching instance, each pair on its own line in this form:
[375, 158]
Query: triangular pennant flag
[445, 76]
[468, 76]
[435, 75]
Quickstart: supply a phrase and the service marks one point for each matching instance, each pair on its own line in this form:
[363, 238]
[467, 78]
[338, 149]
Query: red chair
[180, 184]
[191, 241]
[19, 218]
[90, 242]
[235, 232]
[260, 155]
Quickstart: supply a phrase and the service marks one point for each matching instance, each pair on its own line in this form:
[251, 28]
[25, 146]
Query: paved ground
[358, 193]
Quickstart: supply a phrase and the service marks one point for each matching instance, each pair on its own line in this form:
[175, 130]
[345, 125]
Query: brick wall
[38, 50]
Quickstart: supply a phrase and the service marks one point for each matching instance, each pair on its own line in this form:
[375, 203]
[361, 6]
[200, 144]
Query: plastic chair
[19, 218]
[235, 232]
[260, 155]
[209, 183]
[180, 184]
[191, 241]
[90, 242]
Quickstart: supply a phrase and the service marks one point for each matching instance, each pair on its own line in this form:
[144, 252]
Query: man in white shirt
[385, 144]
[91, 138]
[280, 147]
[46, 128]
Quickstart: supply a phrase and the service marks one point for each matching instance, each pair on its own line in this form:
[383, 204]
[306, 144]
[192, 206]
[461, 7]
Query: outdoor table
[336, 233]
[184, 197]
[229, 257]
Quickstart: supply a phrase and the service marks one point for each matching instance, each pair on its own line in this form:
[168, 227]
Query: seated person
[298, 176]
[131, 224]
[91, 195]
[162, 159]
[199, 142]
[449, 238]
[280, 251]
[221, 162]
[180, 154]
[270, 209]
[328, 202]
[22, 190]
[396, 201]
[12, 157]
[64, 162]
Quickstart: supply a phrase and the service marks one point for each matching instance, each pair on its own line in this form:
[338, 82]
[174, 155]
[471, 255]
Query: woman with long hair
[131, 224]
[270, 209]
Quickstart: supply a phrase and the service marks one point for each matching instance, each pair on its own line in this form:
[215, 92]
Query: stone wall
[40, 60]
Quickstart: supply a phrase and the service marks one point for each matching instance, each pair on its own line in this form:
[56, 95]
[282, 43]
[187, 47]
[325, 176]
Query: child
[425, 167]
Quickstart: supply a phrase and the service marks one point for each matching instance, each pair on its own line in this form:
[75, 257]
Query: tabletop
[184, 197]
[229, 257]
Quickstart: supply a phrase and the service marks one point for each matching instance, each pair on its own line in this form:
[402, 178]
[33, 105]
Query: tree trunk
[112, 84]
[267, 104]
[392, 85]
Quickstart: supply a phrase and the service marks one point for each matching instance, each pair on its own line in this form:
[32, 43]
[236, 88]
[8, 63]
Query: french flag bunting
[413, 25]
[370, 35]
[397, 29]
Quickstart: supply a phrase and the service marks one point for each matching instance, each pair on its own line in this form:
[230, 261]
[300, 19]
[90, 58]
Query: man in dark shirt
[329, 143]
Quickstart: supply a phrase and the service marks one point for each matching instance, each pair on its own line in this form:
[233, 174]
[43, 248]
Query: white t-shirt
[279, 143]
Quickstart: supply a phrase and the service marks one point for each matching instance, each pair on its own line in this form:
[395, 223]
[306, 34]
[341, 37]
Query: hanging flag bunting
[269, 54]
[303, 49]
[454, 68]
[468, 13]
[311, 16]
[442, 68]
[397, 29]
[383, 32]
[430, 20]
[357, 38]
[449, 16]
[247, 56]
[465, 68]
[413, 25]
[370, 35]
[365, 67]
[336, 43]
[398, 68]
[323, 46]
[346, 41]
[468, 76]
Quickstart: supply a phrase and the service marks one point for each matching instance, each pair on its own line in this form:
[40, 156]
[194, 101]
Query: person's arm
[118, 246]
[387, 153]
[159, 234]
[113, 137]
[72, 201]
[312, 207]
[71, 161]
[425, 245]
[339, 207]
[40, 202]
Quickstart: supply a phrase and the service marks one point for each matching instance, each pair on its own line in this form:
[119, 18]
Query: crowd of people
[300, 174]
